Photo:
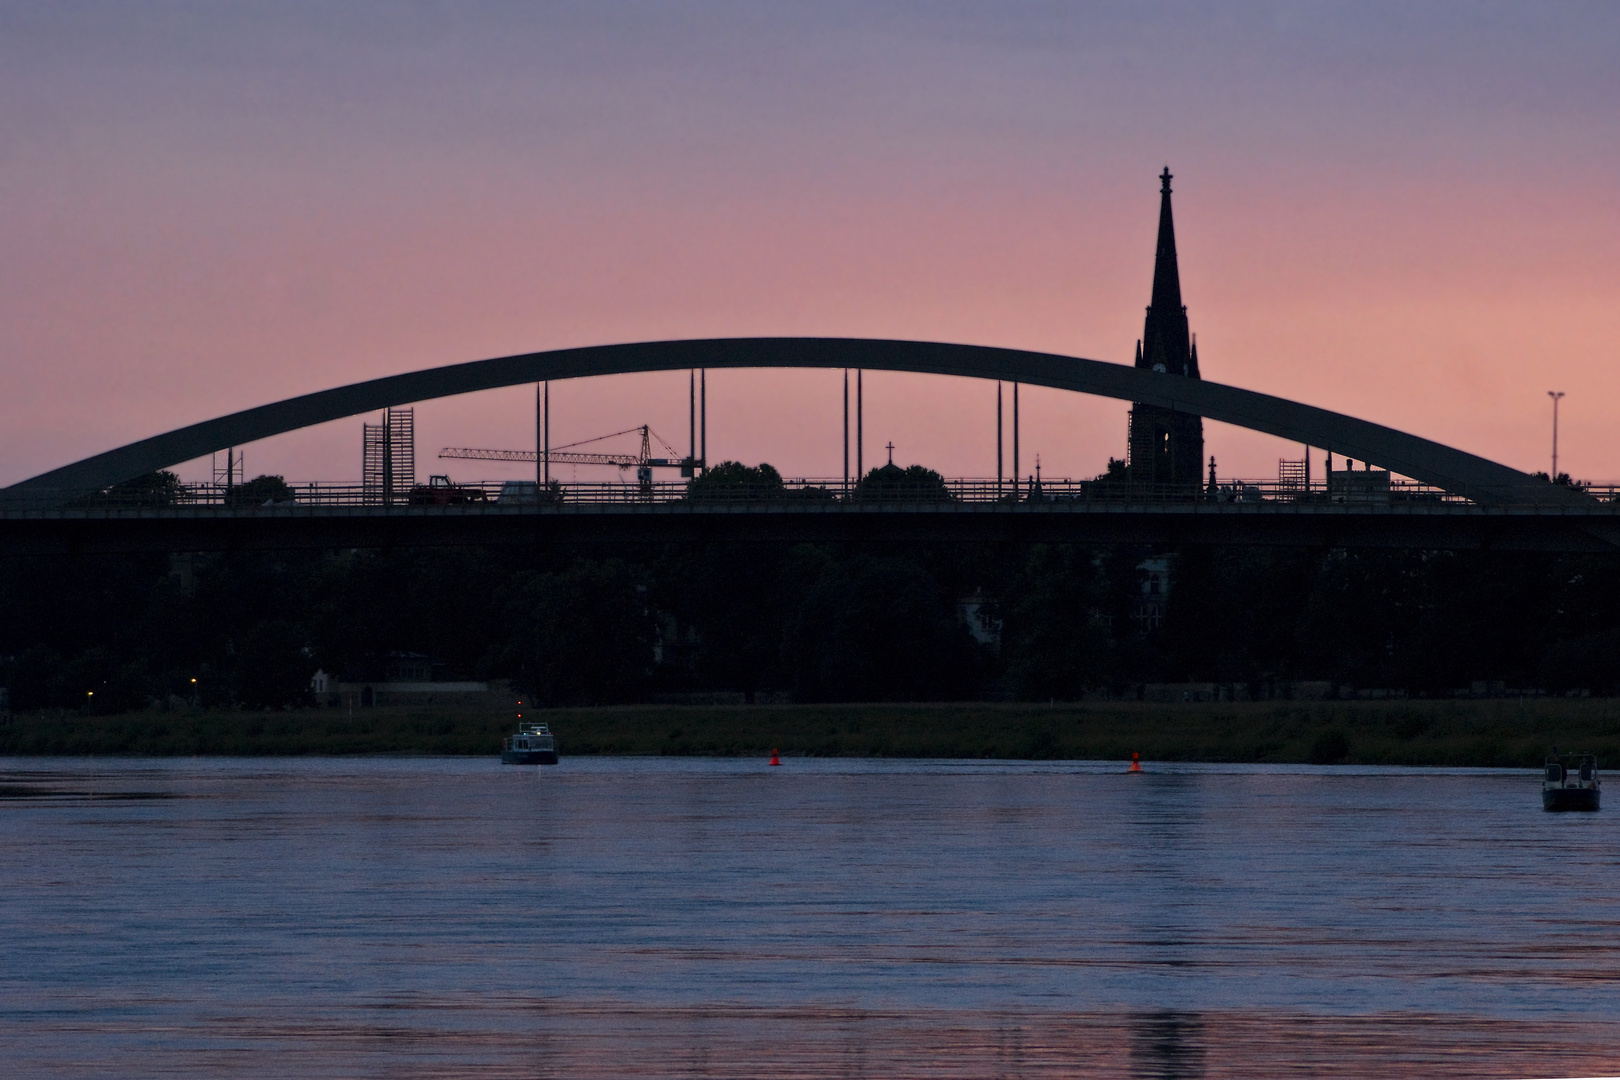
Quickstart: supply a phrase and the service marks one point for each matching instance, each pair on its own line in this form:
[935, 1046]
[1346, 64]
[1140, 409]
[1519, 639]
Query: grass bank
[1507, 732]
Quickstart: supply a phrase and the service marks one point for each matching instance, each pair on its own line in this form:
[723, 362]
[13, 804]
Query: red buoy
[775, 760]
[1136, 764]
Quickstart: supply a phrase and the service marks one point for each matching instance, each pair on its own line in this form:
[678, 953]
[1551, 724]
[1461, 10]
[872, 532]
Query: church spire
[1166, 445]
[1166, 275]
[1165, 340]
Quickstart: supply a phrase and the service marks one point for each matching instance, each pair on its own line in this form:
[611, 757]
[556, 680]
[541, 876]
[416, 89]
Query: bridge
[1457, 499]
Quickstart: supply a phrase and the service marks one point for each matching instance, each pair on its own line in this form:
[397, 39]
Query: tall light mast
[1555, 395]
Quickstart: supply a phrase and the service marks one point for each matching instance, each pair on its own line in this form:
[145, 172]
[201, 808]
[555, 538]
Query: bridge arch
[1421, 459]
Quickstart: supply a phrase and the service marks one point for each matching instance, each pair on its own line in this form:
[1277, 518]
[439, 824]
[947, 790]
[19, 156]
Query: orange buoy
[775, 760]
[1136, 764]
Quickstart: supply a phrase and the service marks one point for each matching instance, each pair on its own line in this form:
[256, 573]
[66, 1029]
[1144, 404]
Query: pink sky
[1406, 216]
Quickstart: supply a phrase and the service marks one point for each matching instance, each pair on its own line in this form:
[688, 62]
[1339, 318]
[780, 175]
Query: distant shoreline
[1504, 732]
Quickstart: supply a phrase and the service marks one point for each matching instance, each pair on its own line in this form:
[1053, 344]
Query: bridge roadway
[1594, 527]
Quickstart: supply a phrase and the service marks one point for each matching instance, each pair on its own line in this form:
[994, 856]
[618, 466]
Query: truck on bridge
[441, 491]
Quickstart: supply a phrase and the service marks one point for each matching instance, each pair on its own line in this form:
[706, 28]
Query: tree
[914, 483]
[582, 636]
[1113, 482]
[1562, 480]
[879, 629]
[273, 667]
[1055, 624]
[736, 598]
[259, 491]
[161, 488]
[732, 480]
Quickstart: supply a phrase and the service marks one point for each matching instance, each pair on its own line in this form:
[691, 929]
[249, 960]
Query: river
[686, 917]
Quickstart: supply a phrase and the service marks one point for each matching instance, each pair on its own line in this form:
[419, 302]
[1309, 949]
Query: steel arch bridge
[1479, 479]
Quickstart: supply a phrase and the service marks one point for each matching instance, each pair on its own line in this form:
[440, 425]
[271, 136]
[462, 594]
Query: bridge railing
[967, 491]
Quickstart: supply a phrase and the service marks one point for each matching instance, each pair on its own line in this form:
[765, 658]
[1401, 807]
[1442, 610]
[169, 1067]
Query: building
[1153, 578]
[1359, 487]
[408, 678]
[978, 614]
[1166, 446]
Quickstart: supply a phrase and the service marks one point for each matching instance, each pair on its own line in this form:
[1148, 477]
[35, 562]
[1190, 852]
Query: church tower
[1166, 447]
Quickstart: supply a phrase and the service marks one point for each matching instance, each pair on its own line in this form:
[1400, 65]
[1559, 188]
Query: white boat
[532, 745]
[1570, 782]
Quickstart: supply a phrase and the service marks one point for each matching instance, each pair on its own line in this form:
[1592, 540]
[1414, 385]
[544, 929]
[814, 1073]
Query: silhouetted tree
[734, 480]
[1562, 480]
[580, 636]
[879, 629]
[259, 491]
[1057, 617]
[161, 488]
[273, 667]
[1112, 481]
[913, 483]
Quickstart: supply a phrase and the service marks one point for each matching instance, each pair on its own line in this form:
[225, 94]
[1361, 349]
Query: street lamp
[1555, 395]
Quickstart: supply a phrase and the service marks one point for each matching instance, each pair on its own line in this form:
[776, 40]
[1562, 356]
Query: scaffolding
[388, 458]
[1293, 476]
[234, 472]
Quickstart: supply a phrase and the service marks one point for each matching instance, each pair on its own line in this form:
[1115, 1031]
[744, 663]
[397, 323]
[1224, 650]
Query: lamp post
[1555, 395]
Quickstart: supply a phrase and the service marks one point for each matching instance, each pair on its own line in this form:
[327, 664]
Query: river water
[829, 918]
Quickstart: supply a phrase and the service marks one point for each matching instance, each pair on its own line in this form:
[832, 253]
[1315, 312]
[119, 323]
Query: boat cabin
[531, 745]
[1570, 782]
[533, 737]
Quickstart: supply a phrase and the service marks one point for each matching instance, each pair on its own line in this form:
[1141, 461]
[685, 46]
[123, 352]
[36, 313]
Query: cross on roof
[891, 453]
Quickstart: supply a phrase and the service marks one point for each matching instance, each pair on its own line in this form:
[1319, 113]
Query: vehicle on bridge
[441, 491]
[1570, 782]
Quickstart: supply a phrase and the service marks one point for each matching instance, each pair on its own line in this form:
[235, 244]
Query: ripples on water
[718, 918]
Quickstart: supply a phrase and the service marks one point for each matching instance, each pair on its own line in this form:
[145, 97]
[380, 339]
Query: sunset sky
[1406, 212]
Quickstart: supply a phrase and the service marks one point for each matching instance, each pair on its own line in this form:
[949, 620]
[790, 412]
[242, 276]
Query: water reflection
[1166, 1046]
[863, 919]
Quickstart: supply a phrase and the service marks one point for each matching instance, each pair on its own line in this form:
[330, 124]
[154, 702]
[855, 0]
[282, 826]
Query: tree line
[575, 624]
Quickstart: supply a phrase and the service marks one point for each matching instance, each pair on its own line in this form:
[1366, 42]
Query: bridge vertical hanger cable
[1017, 476]
[860, 428]
[691, 419]
[703, 419]
[1000, 472]
[846, 431]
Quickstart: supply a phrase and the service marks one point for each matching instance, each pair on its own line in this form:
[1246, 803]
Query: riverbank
[1484, 732]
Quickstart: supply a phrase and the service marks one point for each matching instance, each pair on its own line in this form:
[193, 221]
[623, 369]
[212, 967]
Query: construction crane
[644, 463]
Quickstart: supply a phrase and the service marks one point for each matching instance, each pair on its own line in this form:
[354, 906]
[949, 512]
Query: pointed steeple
[1166, 445]
[1166, 275]
[1165, 340]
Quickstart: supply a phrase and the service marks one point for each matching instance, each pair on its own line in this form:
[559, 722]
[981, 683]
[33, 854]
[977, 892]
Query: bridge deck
[628, 513]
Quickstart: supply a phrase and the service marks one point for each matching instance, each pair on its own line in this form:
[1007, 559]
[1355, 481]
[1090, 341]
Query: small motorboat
[532, 745]
[1570, 782]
